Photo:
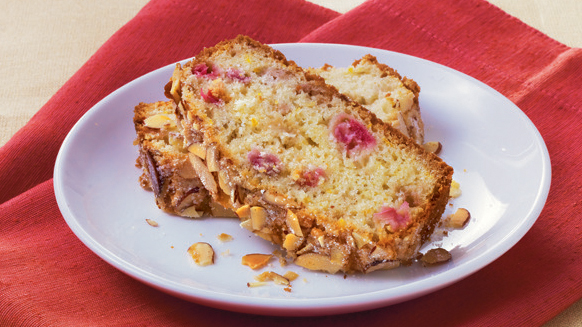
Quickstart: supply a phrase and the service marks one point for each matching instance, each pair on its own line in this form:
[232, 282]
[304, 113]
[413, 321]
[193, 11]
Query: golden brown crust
[166, 170]
[317, 239]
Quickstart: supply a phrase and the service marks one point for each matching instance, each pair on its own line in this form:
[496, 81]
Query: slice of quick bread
[385, 93]
[164, 161]
[304, 166]
[380, 89]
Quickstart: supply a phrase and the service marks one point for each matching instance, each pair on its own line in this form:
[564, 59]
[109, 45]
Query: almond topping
[223, 237]
[203, 173]
[433, 147]
[202, 253]
[198, 149]
[292, 242]
[244, 211]
[152, 222]
[435, 257]
[176, 83]
[212, 159]
[459, 219]
[256, 260]
[190, 212]
[455, 191]
[315, 261]
[258, 217]
[159, 121]
[272, 276]
[293, 223]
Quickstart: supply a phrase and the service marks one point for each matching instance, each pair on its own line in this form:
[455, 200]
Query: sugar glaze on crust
[304, 166]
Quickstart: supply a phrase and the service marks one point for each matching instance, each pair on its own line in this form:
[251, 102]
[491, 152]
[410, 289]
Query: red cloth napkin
[48, 277]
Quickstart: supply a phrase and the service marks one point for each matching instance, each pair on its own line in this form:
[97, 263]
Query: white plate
[499, 157]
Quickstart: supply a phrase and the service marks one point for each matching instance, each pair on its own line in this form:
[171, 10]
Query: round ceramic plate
[499, 157]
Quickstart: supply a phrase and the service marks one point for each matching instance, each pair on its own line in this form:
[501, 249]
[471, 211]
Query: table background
[43, 43]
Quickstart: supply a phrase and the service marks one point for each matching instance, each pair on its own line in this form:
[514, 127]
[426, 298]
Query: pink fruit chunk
[264, 162]
[312, 177]
[237, 75]
[352, 134]
[208, 96]
[396, 218]
[202, 70]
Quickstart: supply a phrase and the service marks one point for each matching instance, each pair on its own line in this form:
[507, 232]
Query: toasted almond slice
[244, 211]
[433, 147]
[256, 260]
[272, 276]
[202, 253]
[174, 90]
[190, 212]
[275, 199]
[293, 223]
[223, 237]
[265, 236]
[152, 222]
[203, 173]
[435, 257]
[258, 217]
[455, 191]
[459, 219]
[292, 242]
[315, 261]
[223, 183]
[291, 275]
[382, 265]
[159, 121]
[247, 224]
[360, 240]
[256, 284]
[198, 149]
[212, 159]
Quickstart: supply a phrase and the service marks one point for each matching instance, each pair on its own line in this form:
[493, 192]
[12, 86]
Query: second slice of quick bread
[303, 166]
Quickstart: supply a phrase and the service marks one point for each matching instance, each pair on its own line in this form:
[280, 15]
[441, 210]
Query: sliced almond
[247, 224]
[152, 222]
[256, 260]
[293, 223]
[382, 265]
[223, 237]
[292, 242]
[435, 257]
[174, 90]
[212, 159]
[202, 253]
[360, 240]
[433, 147]
[244, 211]
[272, 276]
[455, 191]
[291, 275]
[159, 121]
[265, 236]
[315, 261]
[275, 199]
[258, 217]
[459, 219]
[223, 183]
[198, 149]
[190, 212]
[203, 173]
[186, 170]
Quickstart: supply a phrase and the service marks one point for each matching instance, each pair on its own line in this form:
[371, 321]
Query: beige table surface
[61, 36]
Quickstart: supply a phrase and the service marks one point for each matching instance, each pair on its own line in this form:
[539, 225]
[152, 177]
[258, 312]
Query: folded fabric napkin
[48, 277]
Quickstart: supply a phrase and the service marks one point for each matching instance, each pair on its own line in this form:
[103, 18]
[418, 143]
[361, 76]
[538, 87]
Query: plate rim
[301, 306]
